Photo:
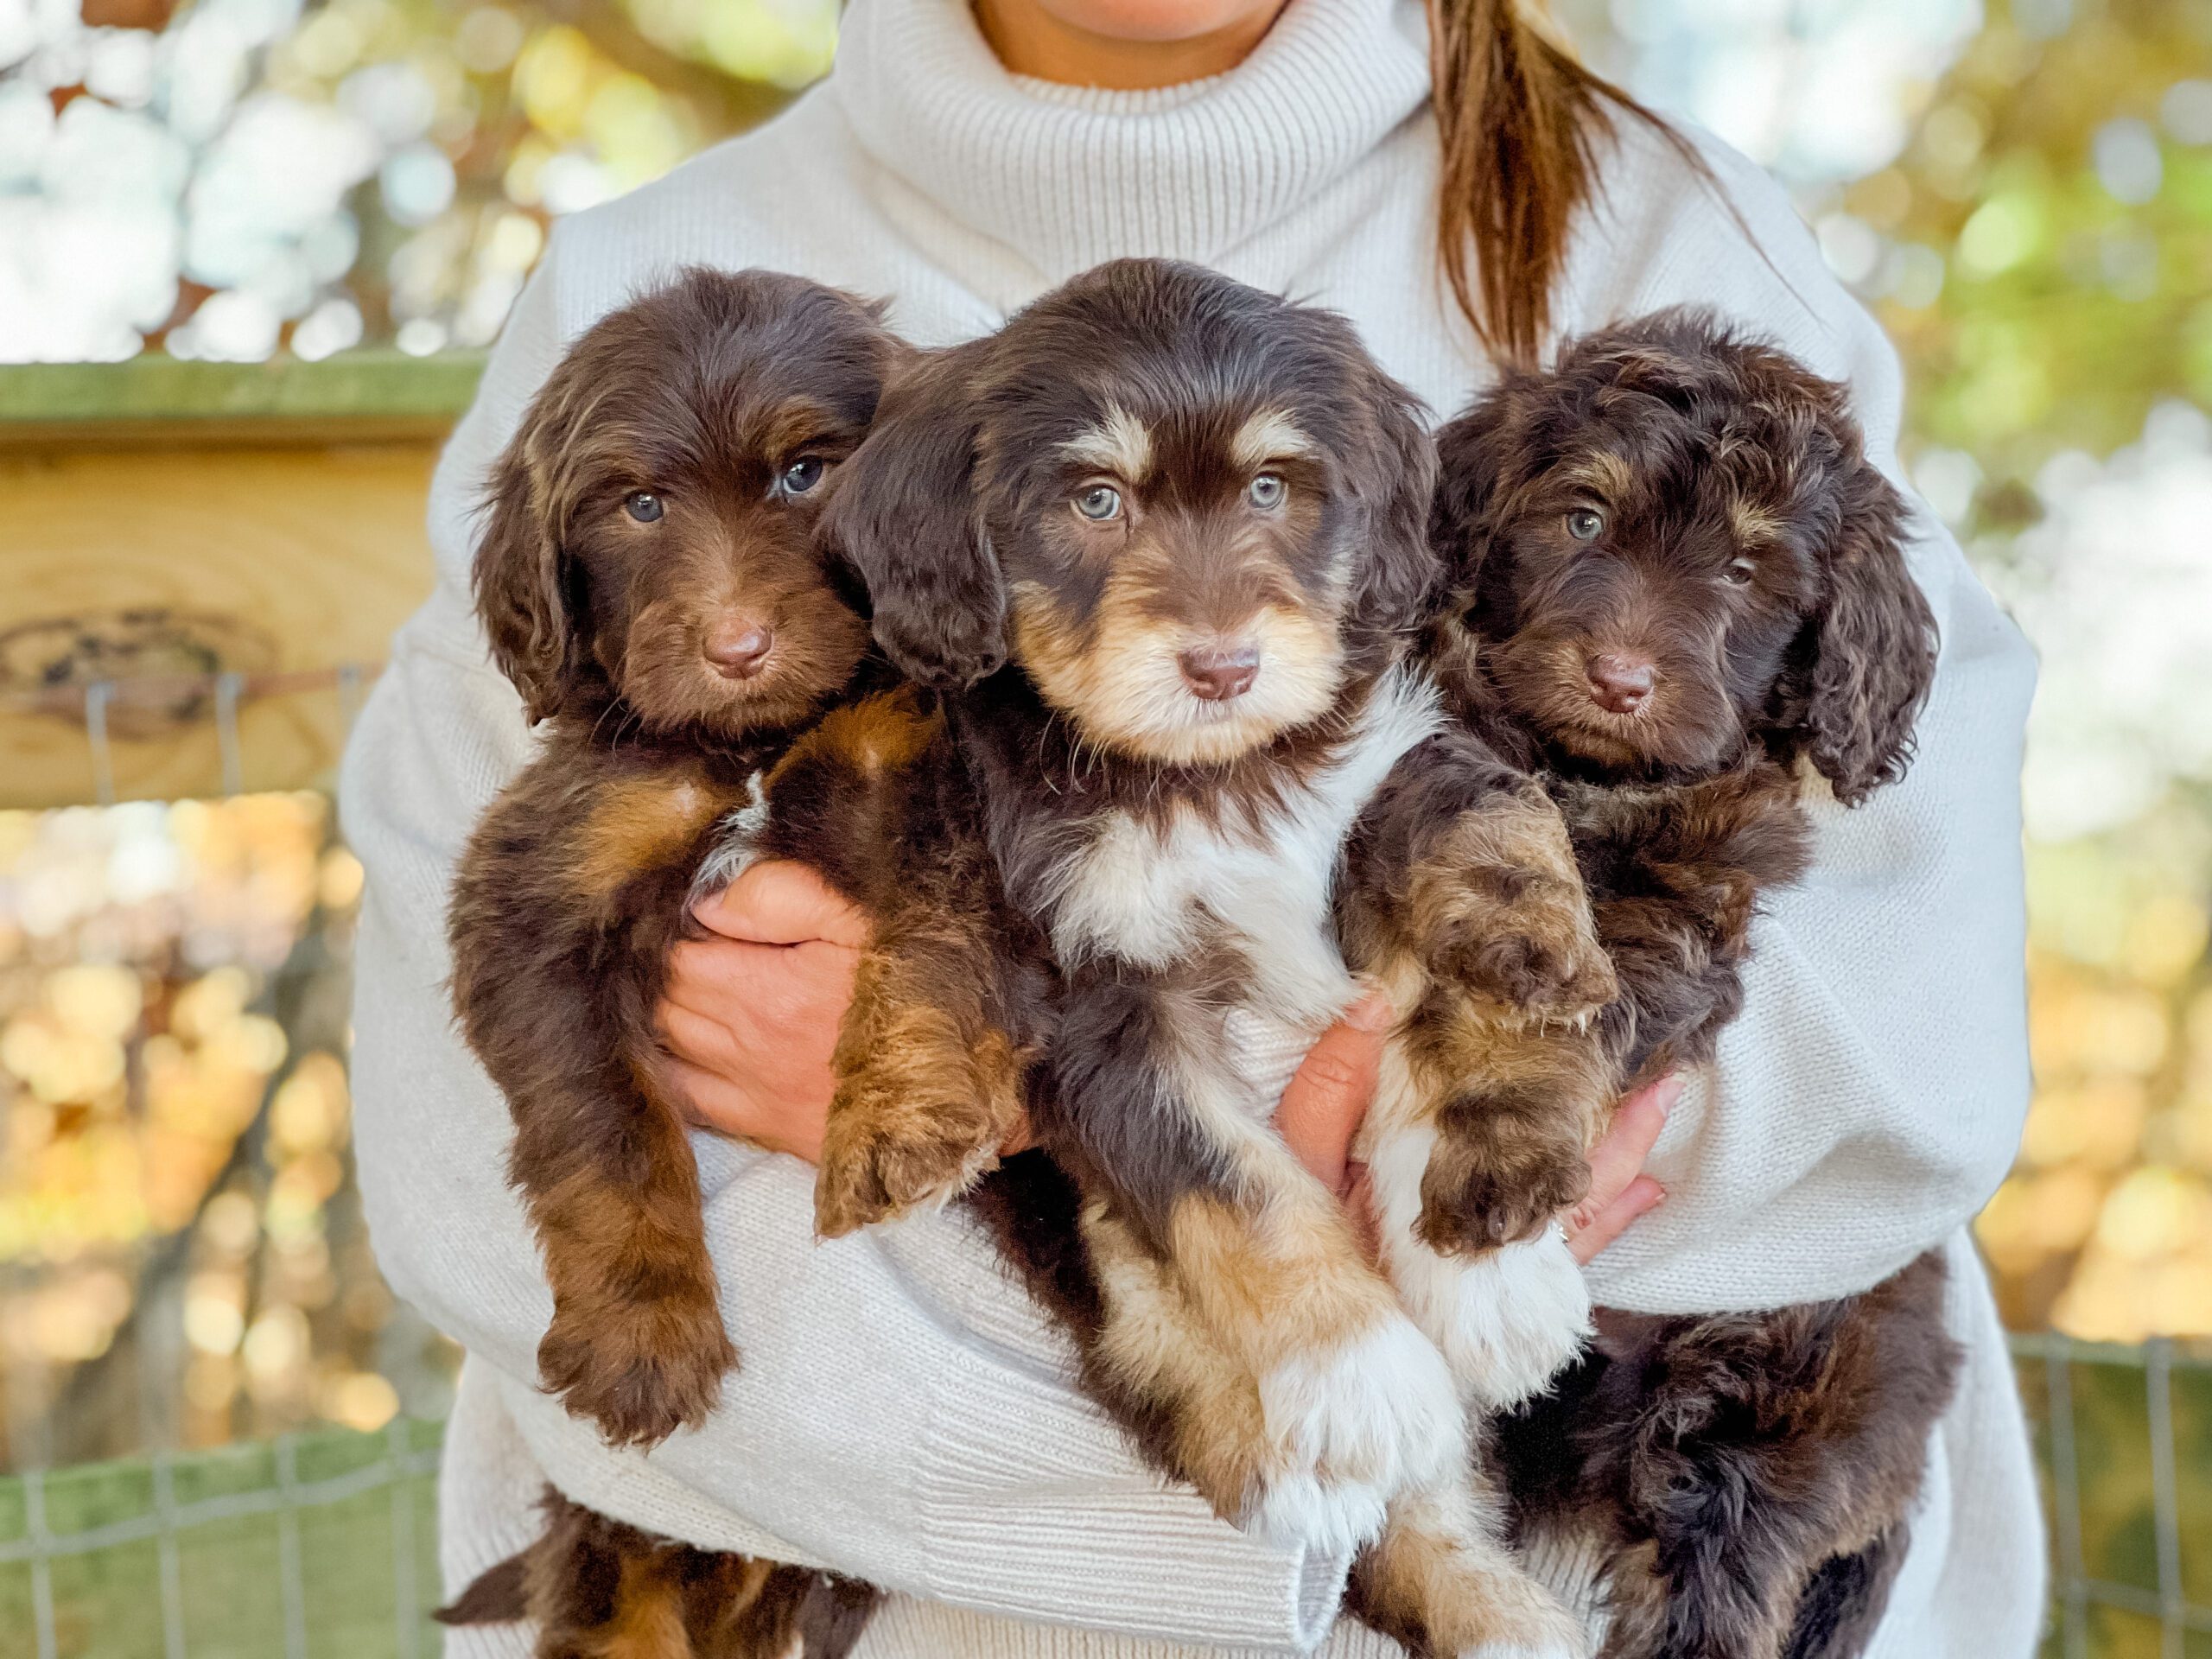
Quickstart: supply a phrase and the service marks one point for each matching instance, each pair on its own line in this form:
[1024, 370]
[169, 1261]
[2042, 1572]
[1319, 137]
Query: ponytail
[1521, 123]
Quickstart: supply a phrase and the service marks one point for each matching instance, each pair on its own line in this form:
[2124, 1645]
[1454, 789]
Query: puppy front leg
[1352, 1402]
[637, 1342]
[929, 1080]
[1508, 1318]
[1439, 1577]
[1444, 1582]
[1463, 899]
[562, 915]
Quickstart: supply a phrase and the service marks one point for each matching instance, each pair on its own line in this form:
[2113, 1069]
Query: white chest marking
[1152, 893]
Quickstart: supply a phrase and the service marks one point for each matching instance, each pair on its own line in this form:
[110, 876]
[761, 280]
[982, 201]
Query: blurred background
[251, 253]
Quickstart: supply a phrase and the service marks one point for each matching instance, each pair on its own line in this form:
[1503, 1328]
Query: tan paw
[1499, 1189]
[877, 1167]
[1529, 945]
[641, 1369]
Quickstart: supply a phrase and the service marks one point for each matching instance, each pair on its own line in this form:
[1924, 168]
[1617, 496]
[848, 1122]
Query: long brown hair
[1521, 122]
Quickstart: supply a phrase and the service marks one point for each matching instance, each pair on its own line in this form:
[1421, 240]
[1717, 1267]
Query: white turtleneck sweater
[903, 1414]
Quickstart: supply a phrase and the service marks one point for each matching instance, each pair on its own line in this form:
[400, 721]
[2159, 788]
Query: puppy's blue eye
[1585, 523]
[1268, 491]
[644, 506]
[1100, 504]
[802, 474]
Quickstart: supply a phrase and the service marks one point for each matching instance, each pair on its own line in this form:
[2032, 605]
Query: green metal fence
[318, 1546]
[323, 1546]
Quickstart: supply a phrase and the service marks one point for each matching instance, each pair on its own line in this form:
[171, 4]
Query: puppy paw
[1517, 1619]
[1443, 1579]
[641, 1369]
[878, 1166]
[1507, 1322]
[1505, 1190]
[1304, 1509]
[1534, 950]
[1351, 1426]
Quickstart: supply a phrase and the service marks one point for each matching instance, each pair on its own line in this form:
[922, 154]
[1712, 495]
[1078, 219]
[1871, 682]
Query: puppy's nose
[1619, 684]
[1220, 672]
[737, 646]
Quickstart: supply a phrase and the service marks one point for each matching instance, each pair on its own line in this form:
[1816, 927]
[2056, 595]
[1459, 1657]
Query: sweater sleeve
[1871, 1097]
[902, 1414]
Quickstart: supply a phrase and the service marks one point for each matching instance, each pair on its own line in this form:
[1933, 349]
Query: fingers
[1359, 1204]
[777, 902]
[713, 1102]
[1619, 1191]
[770, 987]
[1321, 1111]
[1642, 1194]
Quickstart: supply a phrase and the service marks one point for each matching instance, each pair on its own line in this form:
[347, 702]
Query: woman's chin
[1159, 22]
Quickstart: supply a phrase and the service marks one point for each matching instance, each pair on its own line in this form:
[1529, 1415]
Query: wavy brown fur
[596, 1588]
[1677, 497]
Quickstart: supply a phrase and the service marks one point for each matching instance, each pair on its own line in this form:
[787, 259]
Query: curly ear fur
[1396, 481]
[1474, 455]
[1867, 657]
[519, 575]
[903, 513]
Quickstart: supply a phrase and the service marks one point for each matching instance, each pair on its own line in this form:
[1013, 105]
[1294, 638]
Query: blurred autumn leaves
[2055, 209]
[180, 1256]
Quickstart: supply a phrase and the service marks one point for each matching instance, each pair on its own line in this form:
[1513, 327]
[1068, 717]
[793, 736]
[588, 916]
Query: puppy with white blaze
[1161, 543]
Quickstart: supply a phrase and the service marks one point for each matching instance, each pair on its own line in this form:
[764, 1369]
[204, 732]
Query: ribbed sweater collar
[1067, 177]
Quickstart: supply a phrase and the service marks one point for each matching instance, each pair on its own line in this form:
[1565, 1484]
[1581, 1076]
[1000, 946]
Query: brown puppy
[1163, 540]
[600, 1590]
[1204, 555]
[1676, 576]
[648, 579]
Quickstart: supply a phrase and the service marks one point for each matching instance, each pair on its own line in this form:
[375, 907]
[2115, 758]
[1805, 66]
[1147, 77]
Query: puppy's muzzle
[737, 647]
[1219, 673]
[1621, 683]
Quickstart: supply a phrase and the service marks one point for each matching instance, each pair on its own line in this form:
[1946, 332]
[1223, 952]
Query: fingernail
[1667, 1094]
[1371, 1013]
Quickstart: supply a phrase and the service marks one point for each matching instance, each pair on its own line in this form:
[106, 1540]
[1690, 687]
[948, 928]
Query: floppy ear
[1474, 466]
[903, 513]
[519, 577]
[1867, 657]
[1393, 480]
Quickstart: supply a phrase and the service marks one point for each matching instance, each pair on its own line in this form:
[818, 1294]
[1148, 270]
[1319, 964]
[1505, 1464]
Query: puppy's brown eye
[1739, 573]
[1100, 504]
[644, 506]
[1268, 491]
[801, 475]
[1585, 523]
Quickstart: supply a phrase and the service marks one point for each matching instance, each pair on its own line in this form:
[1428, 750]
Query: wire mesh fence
[318, 1545]
[2124, 1437]
[323, 1546]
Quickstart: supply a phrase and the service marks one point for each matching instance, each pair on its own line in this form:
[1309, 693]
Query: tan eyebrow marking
[1120, 444]
[1605, 473]
[1755, 525]
[1270, 435]
[795, 420]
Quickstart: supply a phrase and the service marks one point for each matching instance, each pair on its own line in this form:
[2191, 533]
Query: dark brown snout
[738, 646]
[1217, 673]
[1621, 684]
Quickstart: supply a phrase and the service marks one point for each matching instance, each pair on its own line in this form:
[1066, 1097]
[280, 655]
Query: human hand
[1321, 1112]
[750, 1015]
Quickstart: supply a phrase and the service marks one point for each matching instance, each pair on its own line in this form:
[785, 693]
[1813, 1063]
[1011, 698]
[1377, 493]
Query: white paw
[1509, 1320]
[1534, 1626]
[1318, 1512]
[1360, 1423]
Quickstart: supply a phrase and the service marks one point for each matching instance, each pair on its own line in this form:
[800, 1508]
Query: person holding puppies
[1465, 196]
